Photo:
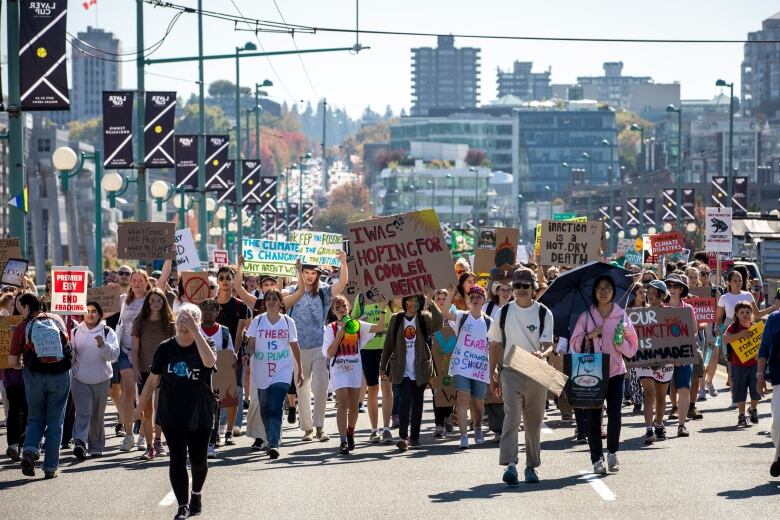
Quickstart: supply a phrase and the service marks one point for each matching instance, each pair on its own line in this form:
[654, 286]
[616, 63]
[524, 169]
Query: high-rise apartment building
[444, 77]
[95, 69]
[761, 69]
[524, 84]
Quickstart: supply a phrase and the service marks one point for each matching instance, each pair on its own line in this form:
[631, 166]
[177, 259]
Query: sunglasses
[225, 277]
[521, 285]
[123, 273]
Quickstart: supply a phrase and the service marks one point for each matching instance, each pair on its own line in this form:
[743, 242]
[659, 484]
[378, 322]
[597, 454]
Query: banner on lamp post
[186, 162]
[719, 191]
[688, 208]
[43, 75]
[159, 116]
[670, 204]
[739, 199]
[117, 129]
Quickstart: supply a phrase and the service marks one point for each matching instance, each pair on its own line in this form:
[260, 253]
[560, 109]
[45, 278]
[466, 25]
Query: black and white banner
[292, 215]
[117, 129]
[159, 116]
[216, 158]
[279, 221]
[739, 200]
[719, 191]
[604, 216]
[649, 211]
[186, 162]
[669, 204]
[688, 205]
[43, 75]
[633, 213]
[618, 218]
[308, 215]
[250, 182]
[227, 176]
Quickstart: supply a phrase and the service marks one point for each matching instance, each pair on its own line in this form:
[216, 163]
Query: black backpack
[502, 321]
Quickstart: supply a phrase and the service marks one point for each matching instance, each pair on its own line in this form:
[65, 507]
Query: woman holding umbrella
[605, 327]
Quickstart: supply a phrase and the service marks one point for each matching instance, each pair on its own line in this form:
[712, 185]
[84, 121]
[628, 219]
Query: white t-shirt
[410, 335]
[728, 301]
[522, 329]
[494, 312]
[346, 371]
[470, 355]
[217, 339]
[272, 361]
[127, 315]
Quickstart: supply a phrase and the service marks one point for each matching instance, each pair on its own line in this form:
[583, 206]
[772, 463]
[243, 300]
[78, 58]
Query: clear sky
[382, 75]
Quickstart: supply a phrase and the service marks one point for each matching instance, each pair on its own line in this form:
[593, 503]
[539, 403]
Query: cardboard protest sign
[145, 240]
[14, 271]
[747, 348]
[9, 248]
[7, 324]
[220, 258]
[196, 286]
[224, 379]
[441, 350]
[106, 297]
[570, 242]
[186, 253]
[69, 290]
[400, 255]
[317, 238]
[496, 249]
[538, 370]
[666, 243]
[666, 336]
[277, 258]
[717, 230]
[703, 306]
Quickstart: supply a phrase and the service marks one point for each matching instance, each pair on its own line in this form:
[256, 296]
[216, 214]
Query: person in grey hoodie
[95, 347]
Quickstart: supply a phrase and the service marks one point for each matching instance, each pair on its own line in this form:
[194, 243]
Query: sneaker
[119, 430]
[182, 513]
[464, 442]
[257, 445]
[660, 433]
[753, 415]
[694, 414]
[148, 454]
[48, 475]
[374, 438]
[229, 439]
[402, 445]
[351, 442]
[361, 409]
[343, 448]
[439, 432]
[774, 469]
[95, 454]
[510, 476]
[79, 450]
[28, 464]
[273, 453]
[612, 462]
[127, 443]
[711, 390]
[479, 437]
[330, 397]
[649, 436]
[140, 445]
[673, 413]
[742, 421]
[13, 452]
[581, 439]
[291, 415]
[236, 431]
[414, 444]
[599, 468]
[246, 404]
[322, 436]
[65, 444]
[308, 436]
[448, 426]
[682, 431]
[531, 477]
[497, 437]
[702, 395]
[159, 450]
[387, 437]
[196, 506]
[211, 451]
[394, 421]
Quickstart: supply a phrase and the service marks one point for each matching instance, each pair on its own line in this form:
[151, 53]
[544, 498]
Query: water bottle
[620, 331]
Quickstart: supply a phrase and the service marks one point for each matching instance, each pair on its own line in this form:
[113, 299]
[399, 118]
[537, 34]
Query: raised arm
[238, 284]
[292, 299]
[339, 286]
[166, 274]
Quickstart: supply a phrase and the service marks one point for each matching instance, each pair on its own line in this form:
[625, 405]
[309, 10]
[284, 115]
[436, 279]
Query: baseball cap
[477, 290]
[312, 267]
[521, 276]
[266, 278]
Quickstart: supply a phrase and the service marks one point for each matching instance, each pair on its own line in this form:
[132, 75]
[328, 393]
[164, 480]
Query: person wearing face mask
[95, 347]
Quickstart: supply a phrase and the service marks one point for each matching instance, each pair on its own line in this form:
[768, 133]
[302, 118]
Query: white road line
[170, 498]
[598, 485]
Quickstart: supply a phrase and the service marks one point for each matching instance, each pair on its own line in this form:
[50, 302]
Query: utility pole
[324, 158]
[141, 209]
[17, 176]
[202, 212]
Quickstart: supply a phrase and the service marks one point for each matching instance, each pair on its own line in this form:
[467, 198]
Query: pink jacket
[606, 343]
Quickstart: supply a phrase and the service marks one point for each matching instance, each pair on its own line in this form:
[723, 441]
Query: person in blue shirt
[769, 365]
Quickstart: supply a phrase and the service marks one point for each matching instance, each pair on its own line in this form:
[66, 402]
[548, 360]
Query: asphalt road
[717, 472]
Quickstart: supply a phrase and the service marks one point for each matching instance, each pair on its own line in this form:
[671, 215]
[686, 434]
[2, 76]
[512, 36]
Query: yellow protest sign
[747, 348]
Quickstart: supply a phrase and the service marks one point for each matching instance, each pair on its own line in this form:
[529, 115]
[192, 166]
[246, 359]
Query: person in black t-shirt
[182, 368]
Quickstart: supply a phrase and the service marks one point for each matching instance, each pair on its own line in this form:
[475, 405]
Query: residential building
[697, 108]
[445, 76]
[94, 69]
[521, 82]
[761, 70]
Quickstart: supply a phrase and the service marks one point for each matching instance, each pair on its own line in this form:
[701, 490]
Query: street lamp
[548, 190]
[678, 197]
[586, 155]
[641, 170]
[69, 165]
[451, 177]
[476, 192]
[730, 187]
[248, 46]
[610, 177]
[432, 185]
[183, 203]
[161, 193]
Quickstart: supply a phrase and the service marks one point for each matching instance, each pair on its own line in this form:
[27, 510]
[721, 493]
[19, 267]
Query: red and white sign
[666, 243]
[69, 290]
[703, 308]
[220, 258]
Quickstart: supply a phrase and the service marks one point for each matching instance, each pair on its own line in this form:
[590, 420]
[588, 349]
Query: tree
[628, 140]
[475, 157]
[222, 88]
[216, 122]
[346, 203]
[90, 132]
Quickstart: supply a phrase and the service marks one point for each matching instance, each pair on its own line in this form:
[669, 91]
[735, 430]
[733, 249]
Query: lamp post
[476, 194]
[183, 203]
[610, 177]
[641, 171]
[548, 191]
[286, 176]
[259, 111]
[249, 46]
[161, 193]
[730, 187]
[678, 197]
[70, 165]
[520, 204]
[451, 177]
[432, 184]
[586, 155]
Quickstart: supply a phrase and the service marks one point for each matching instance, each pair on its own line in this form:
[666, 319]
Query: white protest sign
[210, 248]
[718, 230]
[522, 254]
[470, 356]
[69, 290]
[186, 253]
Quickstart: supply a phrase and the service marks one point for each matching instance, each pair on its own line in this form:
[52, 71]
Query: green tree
[216, 122]
[628, 140]
[90, 132]
[347, 203]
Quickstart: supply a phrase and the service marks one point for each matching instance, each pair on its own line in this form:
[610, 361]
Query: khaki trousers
[523, 403]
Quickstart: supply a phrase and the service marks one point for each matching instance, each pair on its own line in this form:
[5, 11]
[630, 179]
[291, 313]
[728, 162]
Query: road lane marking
[170, 498]
[598, 485]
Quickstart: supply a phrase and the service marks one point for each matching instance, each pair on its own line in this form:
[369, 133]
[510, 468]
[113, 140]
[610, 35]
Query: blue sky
[381, 75]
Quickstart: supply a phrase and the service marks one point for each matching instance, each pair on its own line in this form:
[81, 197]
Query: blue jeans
[47, 395]
[271, 401]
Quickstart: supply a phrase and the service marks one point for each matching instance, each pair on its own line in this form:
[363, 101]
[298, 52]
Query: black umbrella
[569, 295]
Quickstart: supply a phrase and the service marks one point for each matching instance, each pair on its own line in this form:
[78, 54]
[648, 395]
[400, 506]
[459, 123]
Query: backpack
[321, 294]
[225, 336]
[488, 322]
[502, 322]
[47, 345]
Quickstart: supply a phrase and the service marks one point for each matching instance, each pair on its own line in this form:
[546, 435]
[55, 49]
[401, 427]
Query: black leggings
[179, 443]
[410, 408]
[614, 401]
[17, 415]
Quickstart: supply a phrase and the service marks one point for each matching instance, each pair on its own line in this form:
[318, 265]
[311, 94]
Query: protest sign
[14, 271]
[497, 249]
[703, 306]
[69, 290]
[537, 369]
[224, 379]
[145, 240]
[7, 324]
[196, 286]
[9, 248]
[717, 227]
[470, 355]
[186, 253]
[666, 243]
[317, 239]
[681, 256]
[522, 254]
[441, 350]
[106, 297]
[666, 336]
[537, 241]
[588, 378]
[210, 248]
[726, 261]
[569, 242]
[400, 255]
[276, 258]
[747, 348]
[220, 258]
